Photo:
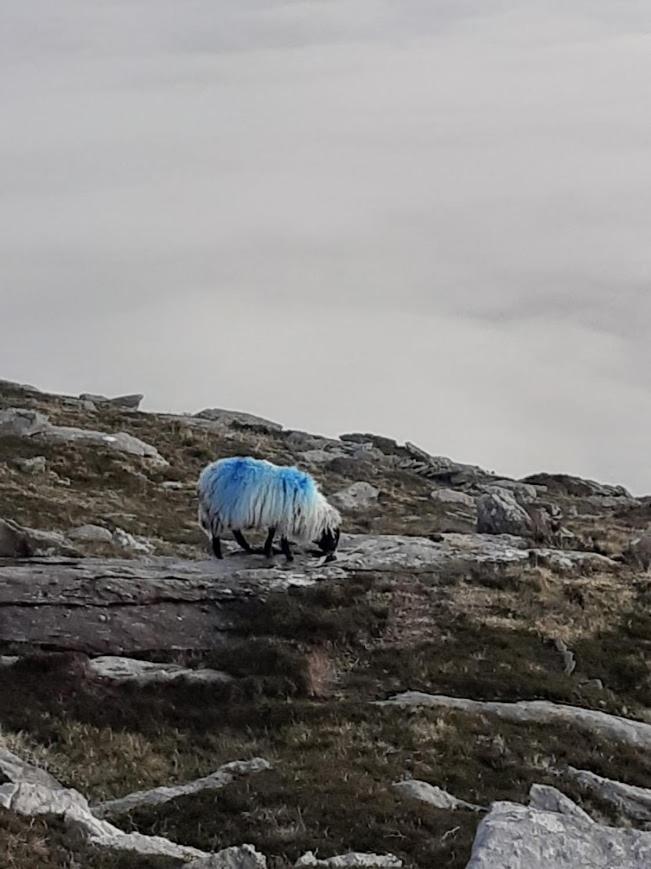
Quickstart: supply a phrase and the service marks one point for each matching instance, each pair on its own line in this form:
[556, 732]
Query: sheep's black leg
[269, 543]
[216, 547]
[241, 540]
[284, 548]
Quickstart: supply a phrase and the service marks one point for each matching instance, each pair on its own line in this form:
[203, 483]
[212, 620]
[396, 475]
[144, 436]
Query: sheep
[243, 493]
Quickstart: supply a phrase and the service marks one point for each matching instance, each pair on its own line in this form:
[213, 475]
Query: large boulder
[22, 422]
[512, 835]
[500, 513]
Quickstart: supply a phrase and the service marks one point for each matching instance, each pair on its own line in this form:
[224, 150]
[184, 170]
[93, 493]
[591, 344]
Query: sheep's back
[252, 493]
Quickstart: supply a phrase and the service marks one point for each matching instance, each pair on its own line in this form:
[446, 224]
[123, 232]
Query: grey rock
[319, 457]
[500, 513]
[130, 402]
[21, 422]
[593, 684]
[301, 441]
[512, 836]
[91, 534]
[453, 497]
[613, 502]
[432, 795]
[550, 799]
[172, 485]
[157, 796]
[18, 770]
[634, 803]
[19, 542]
[352, 860]
[35, 465]
[79, 404]
[13, 386]
[523, 492]
[30, 799]
[236, 857]
[575, 487]
[615, 727]
[357, 496]
[120, 669]
[384, 444]
[8, 660]
[34, 798]
[118, 441]
[228, 418]
[368, 453]
[639, 552]
[441, 467]
[569, 662]
[132, 542]
[392, 551]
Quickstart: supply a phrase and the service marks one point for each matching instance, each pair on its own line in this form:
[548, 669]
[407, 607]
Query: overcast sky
[429, 219]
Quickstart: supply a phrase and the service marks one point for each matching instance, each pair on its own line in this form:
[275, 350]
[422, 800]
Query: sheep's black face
[328, 542]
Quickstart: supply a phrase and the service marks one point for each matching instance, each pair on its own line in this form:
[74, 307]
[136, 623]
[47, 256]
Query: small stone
[91, 534]
[357, 496]
[35, 465]
[432, 795]
[121, 669]
[235, 857]
[172, 485]
[351, 860]
[593, 684]
[133, 543]
[452, 496]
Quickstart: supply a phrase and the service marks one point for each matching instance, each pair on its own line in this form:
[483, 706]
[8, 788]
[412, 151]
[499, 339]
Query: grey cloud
[439, 209]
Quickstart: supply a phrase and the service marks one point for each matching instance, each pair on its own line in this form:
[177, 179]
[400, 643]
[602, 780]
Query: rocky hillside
[468, 684]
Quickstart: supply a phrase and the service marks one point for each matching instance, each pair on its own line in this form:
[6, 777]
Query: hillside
[451, 584]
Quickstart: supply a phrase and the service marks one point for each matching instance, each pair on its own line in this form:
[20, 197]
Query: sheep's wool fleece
[244, 493]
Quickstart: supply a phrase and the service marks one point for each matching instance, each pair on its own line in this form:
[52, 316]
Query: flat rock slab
[626, 730]
[120, 669]
[419, 554]
[102, 606]
[351, 860]
[157, 796]
[512, 836]
[123, 607]
[633, 802]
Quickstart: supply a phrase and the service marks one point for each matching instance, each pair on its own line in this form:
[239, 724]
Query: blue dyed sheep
[238, 494]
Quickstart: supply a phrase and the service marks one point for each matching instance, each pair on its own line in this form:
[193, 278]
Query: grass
[308, 665]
